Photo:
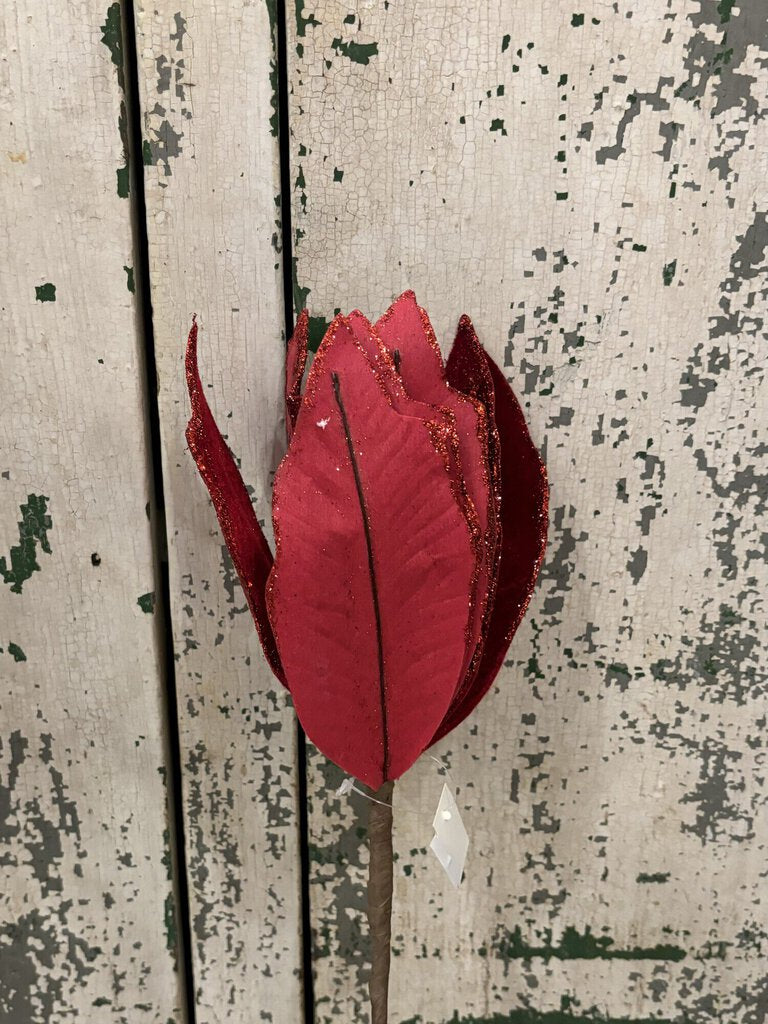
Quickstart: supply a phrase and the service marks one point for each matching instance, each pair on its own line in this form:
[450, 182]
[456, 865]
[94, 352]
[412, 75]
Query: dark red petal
[295, 361]
[406, 328]
[369, 687]
[523, 508]
[242, 533]
[467, 371]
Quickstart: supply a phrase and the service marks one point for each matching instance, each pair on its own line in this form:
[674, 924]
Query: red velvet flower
[410, 518]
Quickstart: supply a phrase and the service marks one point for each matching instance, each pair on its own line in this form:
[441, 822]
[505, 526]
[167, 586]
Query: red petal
[371, 676]
[242, 533]
[524, 505]
[468, 372]
[295, 361]
[405, 328]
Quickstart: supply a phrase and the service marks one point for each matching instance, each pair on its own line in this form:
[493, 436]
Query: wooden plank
[87, 925]
[212, 179]
[588, 182]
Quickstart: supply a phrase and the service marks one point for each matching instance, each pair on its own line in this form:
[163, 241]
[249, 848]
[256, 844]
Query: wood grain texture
[87, 912]
[588, 183]
[213, 217]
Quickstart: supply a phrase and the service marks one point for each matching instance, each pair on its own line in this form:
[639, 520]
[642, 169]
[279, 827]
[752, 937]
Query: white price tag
[450, 842]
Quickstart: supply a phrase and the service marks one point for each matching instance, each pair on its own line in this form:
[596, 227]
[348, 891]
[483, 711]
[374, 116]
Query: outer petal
[524, 502]
[468, 372]
[373, 563]
[242, 533]
[405, 328]
[295, 361]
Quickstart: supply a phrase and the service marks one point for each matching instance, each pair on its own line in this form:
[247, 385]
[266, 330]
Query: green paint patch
[532, 669]
[129, 280]
[123, 181]
[528, 1016]
[45, 292]
[325, 855]
[33, 531]
[358, 53]
[497, 125]
[146, 153]
[300, 294]
[16, 652]
[350, 19]
[301, 186]
[338, 175]
[575, 945]
[658, 878]
[302, 22]
[112, 37]
[165, 860]
[724, 9]
[505, 43]
[169, 918]
[618, 673]
[274, 119]
[577, 20]
[636, 247]
[317, 325]
[560, 196]
[668, 272]
[316, 329]
[147, 602]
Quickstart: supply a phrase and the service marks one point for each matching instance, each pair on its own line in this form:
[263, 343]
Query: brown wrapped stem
[380, 899]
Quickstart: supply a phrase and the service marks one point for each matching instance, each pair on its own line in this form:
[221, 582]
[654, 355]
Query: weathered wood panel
[588, 182]
[212, 179]
[87, 925]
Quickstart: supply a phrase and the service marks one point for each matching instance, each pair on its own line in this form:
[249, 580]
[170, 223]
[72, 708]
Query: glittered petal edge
[406, 327]
[524, 523]
[468, 373]
[242, 534]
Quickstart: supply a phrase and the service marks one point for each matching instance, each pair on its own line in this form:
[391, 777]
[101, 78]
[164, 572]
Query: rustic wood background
[589, 181]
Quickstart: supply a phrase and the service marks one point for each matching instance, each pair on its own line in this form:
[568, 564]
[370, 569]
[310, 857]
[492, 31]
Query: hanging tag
[450, 842]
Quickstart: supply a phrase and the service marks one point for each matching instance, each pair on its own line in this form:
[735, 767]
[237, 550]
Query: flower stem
[380, 899]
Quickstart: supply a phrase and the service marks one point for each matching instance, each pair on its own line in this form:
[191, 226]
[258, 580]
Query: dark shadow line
[286, 196]
[141, 276]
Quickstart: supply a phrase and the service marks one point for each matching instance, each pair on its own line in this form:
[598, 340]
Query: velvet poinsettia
[410, 518]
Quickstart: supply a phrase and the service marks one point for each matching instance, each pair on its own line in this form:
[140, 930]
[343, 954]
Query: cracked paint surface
[214, 232]
[589, 185]
[85, 897]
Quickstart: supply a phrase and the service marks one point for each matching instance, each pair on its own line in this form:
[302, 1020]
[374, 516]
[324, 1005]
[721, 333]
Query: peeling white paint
[587, 183]
[86, 903]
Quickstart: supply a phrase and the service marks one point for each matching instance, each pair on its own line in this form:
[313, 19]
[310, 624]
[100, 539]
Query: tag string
[348, 785]
[444, 767]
